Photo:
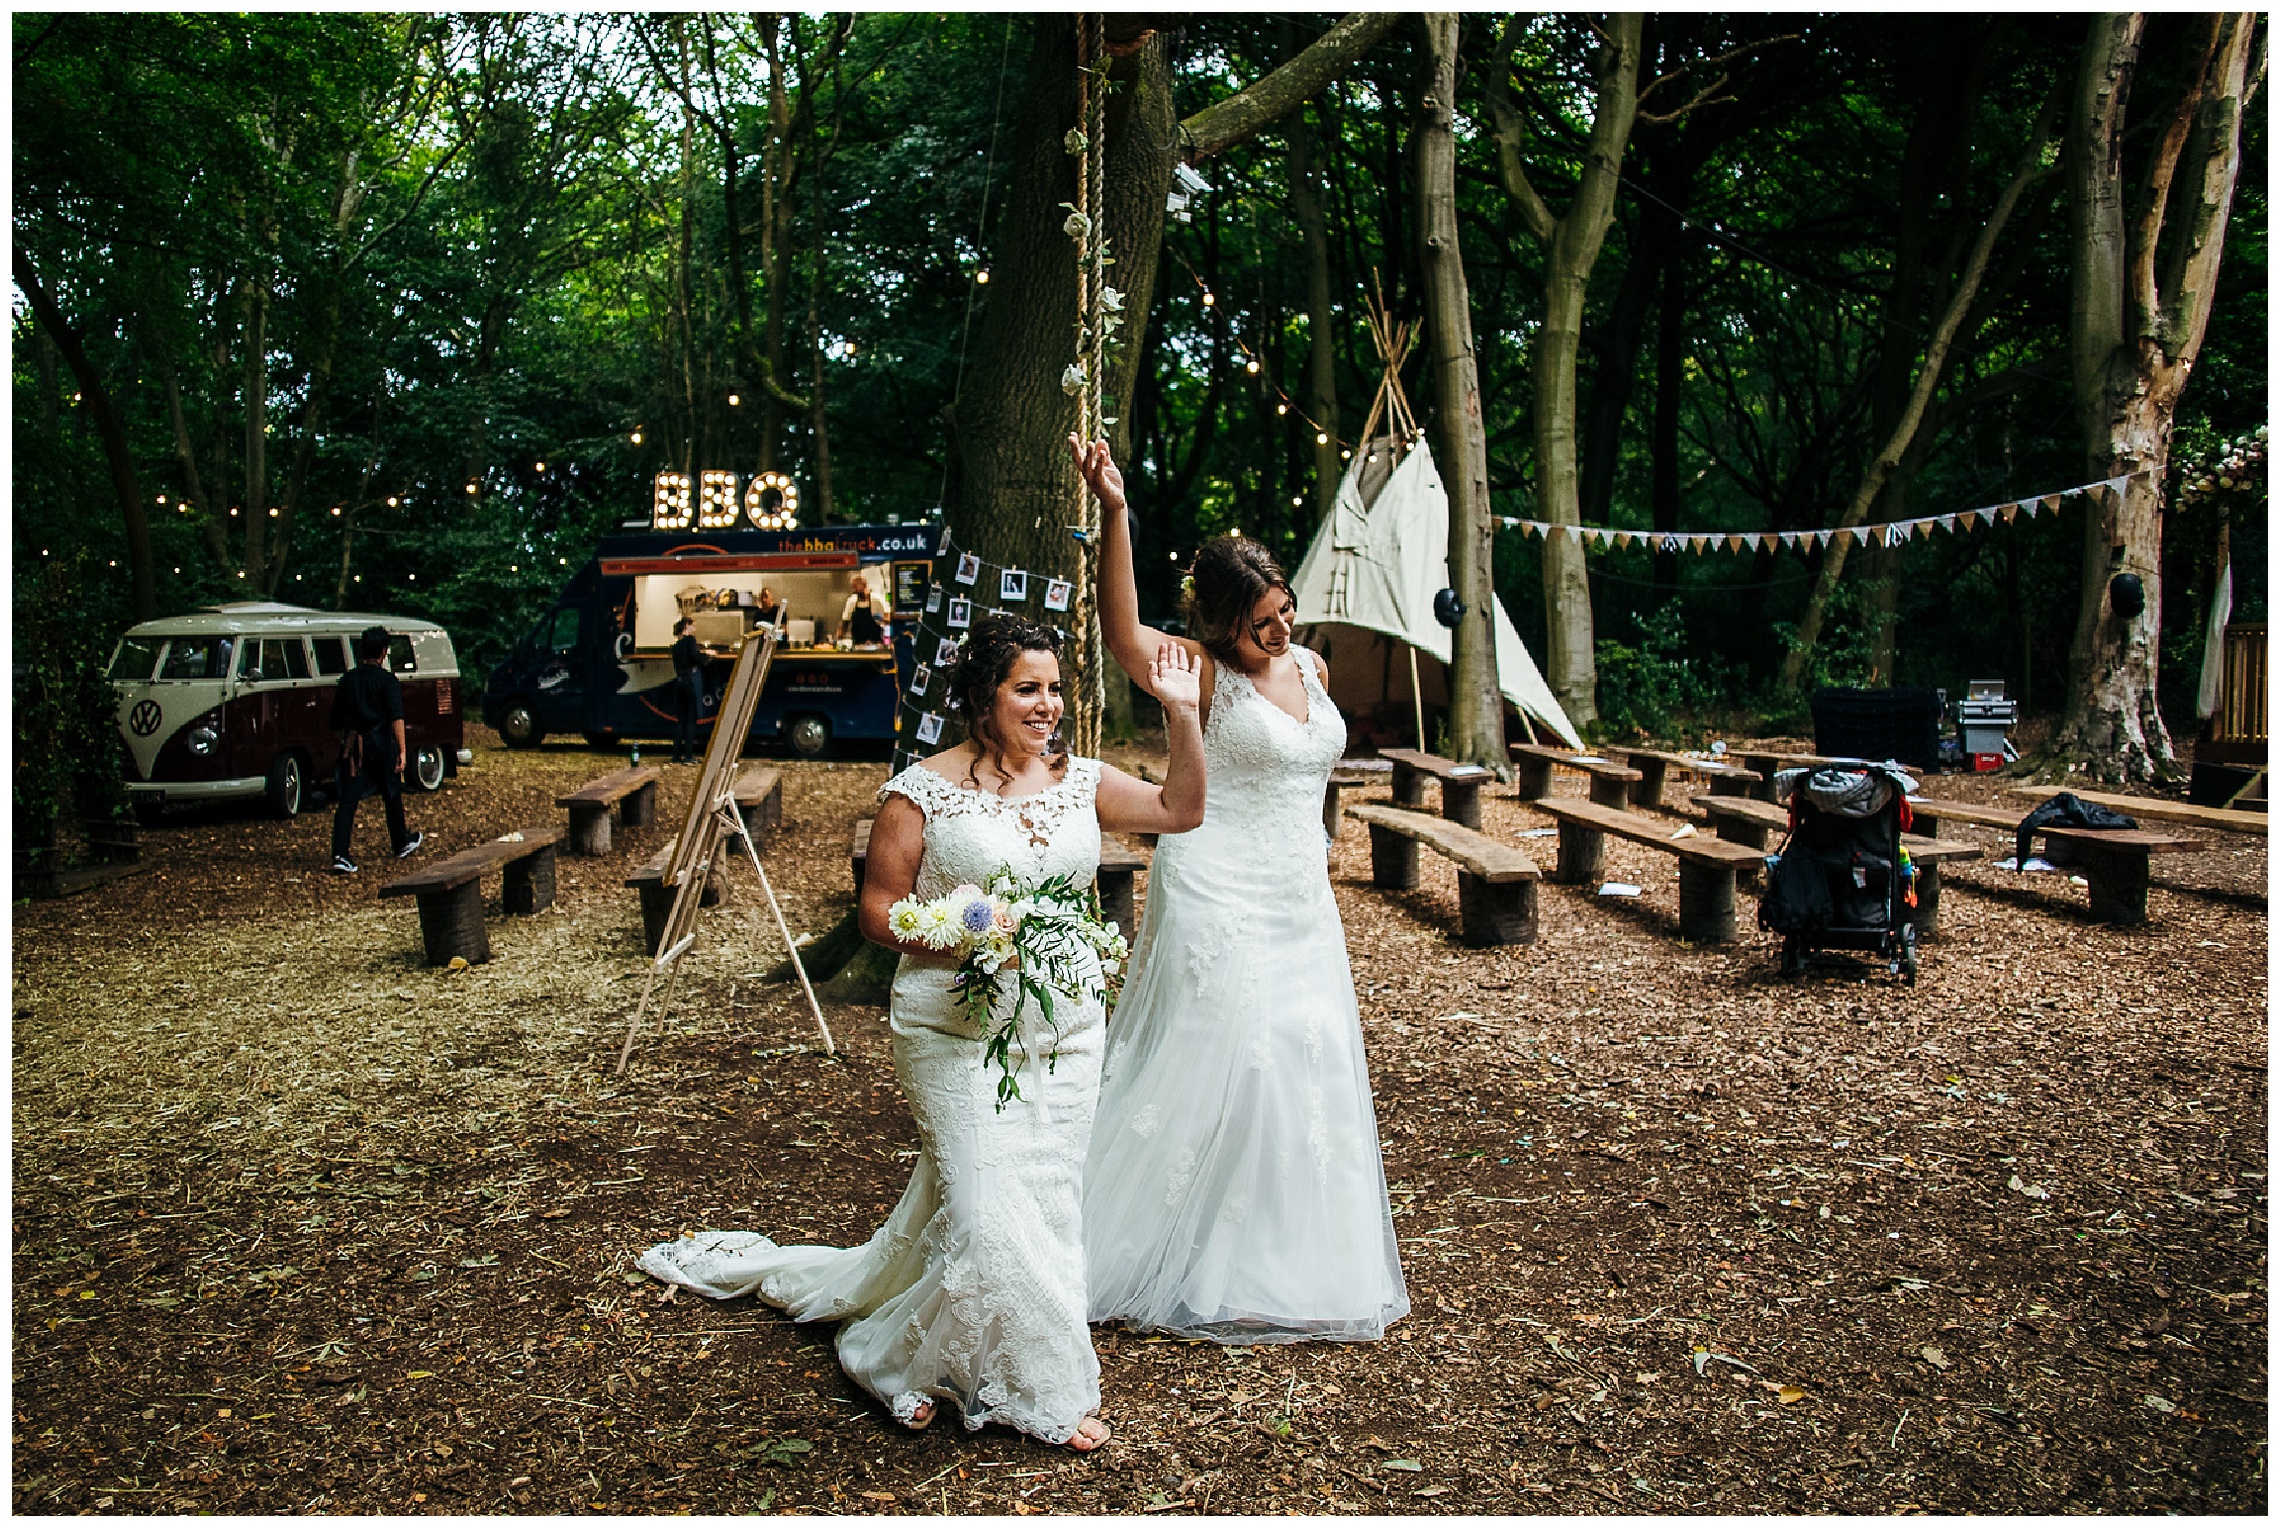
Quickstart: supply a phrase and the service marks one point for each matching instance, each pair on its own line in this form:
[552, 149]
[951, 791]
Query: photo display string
[964, 588]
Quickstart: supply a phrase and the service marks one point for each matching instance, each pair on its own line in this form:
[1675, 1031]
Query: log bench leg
[1534, 782]
[1583, 855]
[769, 815]
[656, 906]
[1491, 914]
[589, 830]
[1721, 785]
[1408, 785]
[1925, 821]
[1927, 918]
[1646, 791]
[1116, 901]
[1460, 802]
[1706, 902]
[530, 883]
[1332, 810]
[639, 810]
[451, 924]
[2118, 880]
[1393, 860]
[1606, 791]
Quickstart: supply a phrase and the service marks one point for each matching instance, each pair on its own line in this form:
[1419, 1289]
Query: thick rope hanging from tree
[1095, 317]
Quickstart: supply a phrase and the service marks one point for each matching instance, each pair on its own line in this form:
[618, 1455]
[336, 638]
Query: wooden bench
[1753, 823]
[1610, 782]
[2154, 809]
[1341, 781]
[1766, 765]
[1706, 866]
[632, 791]
[1653, 764]
[450, 891]
[657, 897]
[2117, 862]
[1460, 783]
[759, 794]
[1118, 865]
[1496, 882]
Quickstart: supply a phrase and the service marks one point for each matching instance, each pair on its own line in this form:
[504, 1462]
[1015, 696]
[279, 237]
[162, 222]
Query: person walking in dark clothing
[688, 691]
[368, 713]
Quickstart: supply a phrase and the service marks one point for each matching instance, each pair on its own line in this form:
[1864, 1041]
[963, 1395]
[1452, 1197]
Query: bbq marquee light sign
[771, 502]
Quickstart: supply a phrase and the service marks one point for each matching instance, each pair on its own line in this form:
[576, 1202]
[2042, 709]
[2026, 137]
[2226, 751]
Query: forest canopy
[400, 312]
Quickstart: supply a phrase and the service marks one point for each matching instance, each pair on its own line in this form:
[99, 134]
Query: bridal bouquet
[1038, 934]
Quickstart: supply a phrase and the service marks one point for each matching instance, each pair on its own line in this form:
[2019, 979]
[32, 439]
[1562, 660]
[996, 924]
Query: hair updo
[985, 660]
[1225, 583]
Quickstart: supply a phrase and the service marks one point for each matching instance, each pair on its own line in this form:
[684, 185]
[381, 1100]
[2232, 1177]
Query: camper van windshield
[197, 658]
[135, 659]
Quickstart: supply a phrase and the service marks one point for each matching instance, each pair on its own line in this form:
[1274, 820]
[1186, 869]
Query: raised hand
[1175, 677]
[1099, 470]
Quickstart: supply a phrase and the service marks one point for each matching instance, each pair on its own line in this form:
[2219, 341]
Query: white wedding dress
[973, 1292]
[1234, 1188]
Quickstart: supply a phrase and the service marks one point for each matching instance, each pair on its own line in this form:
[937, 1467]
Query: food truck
[235, 701]
[599, 662]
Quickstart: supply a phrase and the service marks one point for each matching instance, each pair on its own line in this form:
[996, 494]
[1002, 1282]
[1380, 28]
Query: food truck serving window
[197, 658]
[136, 658]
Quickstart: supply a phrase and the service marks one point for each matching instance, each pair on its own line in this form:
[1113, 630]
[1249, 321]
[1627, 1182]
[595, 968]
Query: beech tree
[2144, 279]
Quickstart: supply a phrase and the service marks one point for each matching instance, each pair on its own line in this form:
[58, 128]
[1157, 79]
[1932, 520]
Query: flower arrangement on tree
[1044, 937]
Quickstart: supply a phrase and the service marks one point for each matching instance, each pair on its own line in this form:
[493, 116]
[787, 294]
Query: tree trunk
[142, 569]
[2141, 303]
[1670, 380]
[1476, 703]
[1571, 247]
[255, 386]
[1322, 368]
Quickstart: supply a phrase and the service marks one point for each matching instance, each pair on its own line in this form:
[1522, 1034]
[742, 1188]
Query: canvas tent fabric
[1382, 558]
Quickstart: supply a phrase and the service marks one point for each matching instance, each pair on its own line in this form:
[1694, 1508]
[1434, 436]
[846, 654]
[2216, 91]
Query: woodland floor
[302, 1225]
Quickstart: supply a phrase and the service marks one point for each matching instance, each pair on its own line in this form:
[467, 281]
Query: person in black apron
[688, 690]
[861, 619]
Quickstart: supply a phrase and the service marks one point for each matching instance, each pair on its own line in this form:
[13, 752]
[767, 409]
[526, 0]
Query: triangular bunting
[1825, 535]
[1754, 538]
[1947, 522]
[1969, 519]
[2050, 501]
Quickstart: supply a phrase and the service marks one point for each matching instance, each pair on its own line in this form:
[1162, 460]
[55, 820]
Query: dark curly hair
[1229, 575]
[984, 661]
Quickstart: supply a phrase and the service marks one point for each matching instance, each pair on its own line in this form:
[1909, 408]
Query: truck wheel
[427, 768]
[284, 787]
[810, 736]
[519, 727]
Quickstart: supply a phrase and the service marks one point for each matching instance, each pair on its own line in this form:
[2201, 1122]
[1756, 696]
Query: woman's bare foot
[922, 1414]
[1091, 1433]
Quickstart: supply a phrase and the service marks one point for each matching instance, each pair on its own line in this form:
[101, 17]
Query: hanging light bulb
[1209, 299]
[734, 401]
[1282, 408]
[542, 466]
[391, 503]
[1321, 439]
[471, 488]
[1252, 366]
[982, 276]
[637, 437]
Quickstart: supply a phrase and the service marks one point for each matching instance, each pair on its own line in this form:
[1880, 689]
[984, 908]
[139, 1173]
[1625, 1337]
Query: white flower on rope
[1073, 379]
[1077, 225]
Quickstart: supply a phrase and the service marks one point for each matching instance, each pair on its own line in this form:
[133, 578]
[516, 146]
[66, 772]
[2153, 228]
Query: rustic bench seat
[632, 791]
[2154, 809]
[1654, 763]
[1610, 782]
[2117, 862]
[450, 891]
[1706, 866]
[657, 897]
[1752, 824]
[1341, 781]
[1496, 881]
[759, 793]
[1460, 783]
[1118, 865]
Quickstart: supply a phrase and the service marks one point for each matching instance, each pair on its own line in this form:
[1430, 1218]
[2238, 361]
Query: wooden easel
[713, 820]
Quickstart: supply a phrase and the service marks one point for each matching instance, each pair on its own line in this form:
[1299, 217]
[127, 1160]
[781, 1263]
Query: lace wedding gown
[1234, 1188]
[973, 1292]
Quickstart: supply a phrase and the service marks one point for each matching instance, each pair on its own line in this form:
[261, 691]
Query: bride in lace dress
[972, 1295]
[1234, 1189]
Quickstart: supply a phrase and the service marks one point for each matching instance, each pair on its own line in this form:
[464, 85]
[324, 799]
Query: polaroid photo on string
[961, 613]
[934, 599]
[920, 678]
[1057, 592]
[946, 652]
[1013, 585]
[930, 727]
[969, 568]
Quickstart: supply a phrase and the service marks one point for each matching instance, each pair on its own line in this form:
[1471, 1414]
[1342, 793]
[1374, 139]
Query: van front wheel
[519, 727]
[285, 785]
[809, 736]
[427, 768]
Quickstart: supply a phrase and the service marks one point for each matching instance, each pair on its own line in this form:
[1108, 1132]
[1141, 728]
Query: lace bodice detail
[971, 833]
[1266, 768]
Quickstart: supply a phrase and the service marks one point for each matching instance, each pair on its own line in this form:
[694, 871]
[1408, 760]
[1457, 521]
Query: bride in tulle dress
[1234, 1188]
[972, 1295]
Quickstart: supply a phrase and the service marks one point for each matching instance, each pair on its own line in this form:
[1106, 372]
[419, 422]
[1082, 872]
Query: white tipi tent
[1375, 569]
[1367, 584]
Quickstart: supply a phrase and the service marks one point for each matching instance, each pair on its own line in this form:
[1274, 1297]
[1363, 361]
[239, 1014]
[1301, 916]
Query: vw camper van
[236, 701]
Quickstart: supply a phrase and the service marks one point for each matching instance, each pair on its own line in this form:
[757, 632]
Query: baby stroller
[1843, 881]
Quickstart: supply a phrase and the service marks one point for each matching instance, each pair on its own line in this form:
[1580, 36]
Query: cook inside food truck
[599, 662]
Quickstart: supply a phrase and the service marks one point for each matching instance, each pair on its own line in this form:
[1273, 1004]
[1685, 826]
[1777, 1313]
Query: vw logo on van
[144, 718]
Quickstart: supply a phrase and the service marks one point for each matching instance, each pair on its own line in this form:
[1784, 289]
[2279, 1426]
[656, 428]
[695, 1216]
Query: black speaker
[2126, 593]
